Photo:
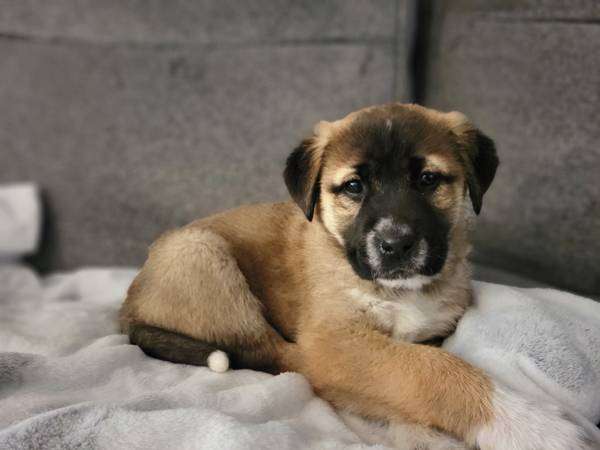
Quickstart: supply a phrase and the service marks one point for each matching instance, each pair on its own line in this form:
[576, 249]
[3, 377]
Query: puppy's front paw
[522, 424]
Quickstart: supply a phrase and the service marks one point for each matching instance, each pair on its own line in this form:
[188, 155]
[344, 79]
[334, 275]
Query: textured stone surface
[127, 142]
[137, 116]
[534, 87]
[516, 10]
[200, 21]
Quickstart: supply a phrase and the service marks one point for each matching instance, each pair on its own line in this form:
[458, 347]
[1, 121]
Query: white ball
[218, 361]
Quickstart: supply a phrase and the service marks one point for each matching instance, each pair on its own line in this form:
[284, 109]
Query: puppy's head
[391, 183]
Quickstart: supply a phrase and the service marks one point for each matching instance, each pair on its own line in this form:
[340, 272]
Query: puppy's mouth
[415, 270]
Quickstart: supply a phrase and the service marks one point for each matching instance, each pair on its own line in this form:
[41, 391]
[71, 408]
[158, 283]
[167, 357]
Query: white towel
[68, 379]
[543, 342]
[20, 219]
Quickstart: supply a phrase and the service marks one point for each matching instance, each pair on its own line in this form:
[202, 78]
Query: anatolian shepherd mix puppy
[344, 283]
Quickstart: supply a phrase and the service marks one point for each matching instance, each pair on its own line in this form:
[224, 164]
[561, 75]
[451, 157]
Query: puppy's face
[391, 183]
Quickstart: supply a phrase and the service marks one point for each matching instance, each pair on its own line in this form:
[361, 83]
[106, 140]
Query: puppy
[343, 283]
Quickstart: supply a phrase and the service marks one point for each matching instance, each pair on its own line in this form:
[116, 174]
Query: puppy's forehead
[392, 135]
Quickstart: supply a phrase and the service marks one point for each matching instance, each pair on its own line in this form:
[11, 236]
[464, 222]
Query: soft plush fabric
[526, 72]
[20, 219]
[68, 379]
[543, 342]
[135, 117]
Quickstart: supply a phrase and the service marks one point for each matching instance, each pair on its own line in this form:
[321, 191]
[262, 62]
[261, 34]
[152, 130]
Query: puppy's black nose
[396, 244]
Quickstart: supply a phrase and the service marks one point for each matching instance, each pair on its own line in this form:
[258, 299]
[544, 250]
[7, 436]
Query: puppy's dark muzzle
[396, 248]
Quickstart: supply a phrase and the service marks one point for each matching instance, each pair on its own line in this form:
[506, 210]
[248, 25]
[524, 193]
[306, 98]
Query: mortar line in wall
[64, 40]
[419, 49]
[557, 20]
[395, 48]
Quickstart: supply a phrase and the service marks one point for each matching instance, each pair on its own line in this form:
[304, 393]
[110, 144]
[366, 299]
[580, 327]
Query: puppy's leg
[190, 299]
[367, 373]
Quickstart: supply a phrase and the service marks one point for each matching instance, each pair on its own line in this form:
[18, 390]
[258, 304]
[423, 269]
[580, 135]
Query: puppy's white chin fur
[413, 283]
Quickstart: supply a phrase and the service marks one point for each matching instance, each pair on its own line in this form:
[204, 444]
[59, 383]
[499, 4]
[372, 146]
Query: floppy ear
[302, 174]
[481, 167]
[480, 157]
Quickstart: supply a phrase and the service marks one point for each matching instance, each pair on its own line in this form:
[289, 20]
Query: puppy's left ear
[479, 156]
[481, 169]
[303, 170]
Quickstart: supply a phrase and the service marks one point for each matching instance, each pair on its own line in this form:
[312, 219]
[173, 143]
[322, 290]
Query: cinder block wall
[528, 72]
[136, 117]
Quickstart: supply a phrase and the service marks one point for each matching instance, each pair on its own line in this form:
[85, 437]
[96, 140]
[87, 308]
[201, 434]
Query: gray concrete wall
[528, 73]
[137, 116]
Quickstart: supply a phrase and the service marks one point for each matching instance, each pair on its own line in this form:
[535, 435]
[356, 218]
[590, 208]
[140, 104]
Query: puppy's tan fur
[274, 291]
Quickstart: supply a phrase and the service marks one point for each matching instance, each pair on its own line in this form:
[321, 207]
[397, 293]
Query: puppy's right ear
[303, 170]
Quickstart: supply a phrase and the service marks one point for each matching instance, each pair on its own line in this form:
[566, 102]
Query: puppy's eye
[429, 179]
[353, 187]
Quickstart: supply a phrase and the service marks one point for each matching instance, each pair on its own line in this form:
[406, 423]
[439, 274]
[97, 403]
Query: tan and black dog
[343, 284]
